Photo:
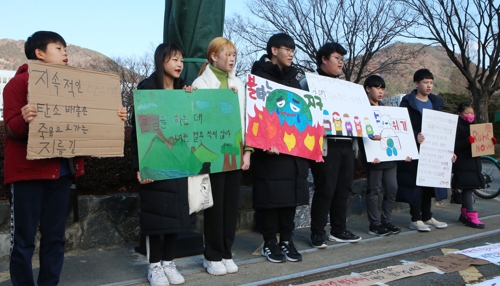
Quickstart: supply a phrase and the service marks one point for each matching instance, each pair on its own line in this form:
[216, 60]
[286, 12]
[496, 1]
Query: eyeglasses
[289, 51]
[339, 59]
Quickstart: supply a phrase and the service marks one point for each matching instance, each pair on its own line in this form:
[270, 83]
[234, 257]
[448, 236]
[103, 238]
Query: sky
[115, 28]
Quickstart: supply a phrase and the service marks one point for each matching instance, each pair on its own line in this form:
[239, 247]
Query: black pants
[333, 186]
[421, 210]
[220, 220]
[278, 220]
[42, 203]
[161, 249]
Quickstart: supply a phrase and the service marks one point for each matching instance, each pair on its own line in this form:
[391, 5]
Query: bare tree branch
[363, 27]
[468, 31]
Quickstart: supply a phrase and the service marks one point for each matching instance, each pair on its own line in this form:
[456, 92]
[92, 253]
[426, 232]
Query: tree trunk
[481, 101]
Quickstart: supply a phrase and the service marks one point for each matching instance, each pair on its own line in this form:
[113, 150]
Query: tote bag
[199, 193]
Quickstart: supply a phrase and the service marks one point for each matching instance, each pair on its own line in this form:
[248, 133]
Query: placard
[76, 112]
[284, 117]
[346, 108]
[397, 138]
[392, 273]
[434, 164]
[483, 145]
[181, 134]
[490, 252]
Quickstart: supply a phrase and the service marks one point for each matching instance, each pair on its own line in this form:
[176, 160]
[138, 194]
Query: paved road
[121, 266]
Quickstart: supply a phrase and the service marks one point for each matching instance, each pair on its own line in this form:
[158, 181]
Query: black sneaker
[290, 252]
[378, 230]
[272, 251]
[392, 228]
[318, 241]
[345, 236]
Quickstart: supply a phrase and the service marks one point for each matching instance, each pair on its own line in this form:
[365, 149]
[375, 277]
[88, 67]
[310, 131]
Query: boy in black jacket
[333, 178]
[419, 198]
[280, 181]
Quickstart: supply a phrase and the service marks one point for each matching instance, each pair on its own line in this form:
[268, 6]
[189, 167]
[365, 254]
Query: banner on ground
[490, 252]
[434, 164]
[283, 117]
[346, 108]
[397, 138]
[76, 112]
[181, 134]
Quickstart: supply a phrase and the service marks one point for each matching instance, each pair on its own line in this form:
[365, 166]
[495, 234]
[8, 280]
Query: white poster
[346, 109]
[490, 252]
[397, 138]
[434, 164]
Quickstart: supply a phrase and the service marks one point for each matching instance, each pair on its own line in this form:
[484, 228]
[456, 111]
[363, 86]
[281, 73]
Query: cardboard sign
[434, 164]
[397, 139]
[446, 263]
[483, 145]
[346, 109]
[76, 112]
[392, 273]
[341, 281]
[181, 134]
[284, 117]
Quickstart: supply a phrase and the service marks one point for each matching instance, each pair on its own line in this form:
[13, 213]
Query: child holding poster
[279, 180]
[419, 198]
[379, 174]
[39, 189]
[467, 169]
[164, 204]
[220, 220]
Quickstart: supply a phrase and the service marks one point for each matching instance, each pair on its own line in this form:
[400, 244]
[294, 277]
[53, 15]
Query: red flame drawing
[265, 130]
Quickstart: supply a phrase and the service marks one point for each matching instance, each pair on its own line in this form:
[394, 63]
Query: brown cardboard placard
[483, 145]
[392, 273]
[342, 280]
[467, 259]
[76, 112]
[446, 263]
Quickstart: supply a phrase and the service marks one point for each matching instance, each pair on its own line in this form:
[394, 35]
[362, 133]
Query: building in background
[5, 76]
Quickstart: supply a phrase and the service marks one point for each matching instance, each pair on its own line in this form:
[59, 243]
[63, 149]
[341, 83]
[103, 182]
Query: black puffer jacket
[279, 180]
[408, 191]
[466, 170]
[164, 204]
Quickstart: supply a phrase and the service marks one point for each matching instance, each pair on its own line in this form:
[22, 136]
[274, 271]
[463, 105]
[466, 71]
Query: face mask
[469, 117]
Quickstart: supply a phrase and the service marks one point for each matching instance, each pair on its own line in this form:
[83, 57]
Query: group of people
[40, 188]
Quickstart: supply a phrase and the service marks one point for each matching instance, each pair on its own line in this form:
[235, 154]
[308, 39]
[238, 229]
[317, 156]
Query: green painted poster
[181, 134]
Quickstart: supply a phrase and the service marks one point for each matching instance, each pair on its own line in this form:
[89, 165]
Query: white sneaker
[215, 267]
[231, 267]
[174, 277]
[419, 225]
[156, 276]
[435, 223]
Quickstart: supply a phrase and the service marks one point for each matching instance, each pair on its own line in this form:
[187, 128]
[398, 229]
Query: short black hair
[327, 49]
[463, 105]
[280, 40]
[165, 51]
[422, 74]
[374, 81]
[40, 40]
